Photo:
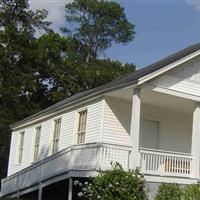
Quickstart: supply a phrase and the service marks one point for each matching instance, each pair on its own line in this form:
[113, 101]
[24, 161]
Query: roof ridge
[123, 81]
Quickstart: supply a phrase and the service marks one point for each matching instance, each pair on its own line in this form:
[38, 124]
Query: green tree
[64, 72]
[115, 184]
[97, 24]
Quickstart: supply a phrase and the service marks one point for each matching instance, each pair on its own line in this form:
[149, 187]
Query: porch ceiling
[158, 99]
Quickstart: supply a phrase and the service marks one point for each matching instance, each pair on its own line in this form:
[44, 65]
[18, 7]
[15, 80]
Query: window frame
[81, 133]
[20, 147]
[36, 146]
[56, 137]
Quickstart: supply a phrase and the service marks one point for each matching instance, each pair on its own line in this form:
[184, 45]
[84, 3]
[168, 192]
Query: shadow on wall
[122, 112]
[44, 152]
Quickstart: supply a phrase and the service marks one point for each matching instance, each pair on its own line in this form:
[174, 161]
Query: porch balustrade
[88, 157]
[97, 156]
[164, 163]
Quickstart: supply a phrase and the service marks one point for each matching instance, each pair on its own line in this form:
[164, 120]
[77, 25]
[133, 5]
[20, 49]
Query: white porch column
[195, 147]
[135, 129]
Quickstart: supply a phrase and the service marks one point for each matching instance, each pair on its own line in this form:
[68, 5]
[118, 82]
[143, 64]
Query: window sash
[21, 147]
[81, 137]
[56, 135]
[37, 143]
[81, 127]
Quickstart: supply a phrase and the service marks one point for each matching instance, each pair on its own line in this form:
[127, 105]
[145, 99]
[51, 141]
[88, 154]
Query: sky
[162, 27]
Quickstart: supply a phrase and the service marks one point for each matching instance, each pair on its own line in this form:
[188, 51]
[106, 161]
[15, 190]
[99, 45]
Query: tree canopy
[97, 24]
[17, 27]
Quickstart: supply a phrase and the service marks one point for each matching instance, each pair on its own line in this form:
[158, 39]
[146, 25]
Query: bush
[114, 184]
[169, 191]
[191, 192]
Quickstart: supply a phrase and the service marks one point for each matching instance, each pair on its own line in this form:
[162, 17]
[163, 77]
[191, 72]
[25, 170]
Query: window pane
[56, 136]
[21, 146]
[37, 143]
[82, 126]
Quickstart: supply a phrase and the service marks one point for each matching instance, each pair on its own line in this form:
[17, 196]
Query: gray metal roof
[122, 82]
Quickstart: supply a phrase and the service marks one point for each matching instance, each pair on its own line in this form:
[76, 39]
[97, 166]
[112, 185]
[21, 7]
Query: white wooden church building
[149, 119]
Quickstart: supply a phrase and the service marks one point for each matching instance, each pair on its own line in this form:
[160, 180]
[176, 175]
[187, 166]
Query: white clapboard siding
[67, 129]
[175, 128]
[93, 125]
[67, 134]
[12, 167]
[27, 147]
[116, 125]
[185, 78]
[45, 139]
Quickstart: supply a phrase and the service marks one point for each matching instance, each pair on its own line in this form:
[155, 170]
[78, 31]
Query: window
[37, 143]
[56, 135]
[21, 147]
[81, 126]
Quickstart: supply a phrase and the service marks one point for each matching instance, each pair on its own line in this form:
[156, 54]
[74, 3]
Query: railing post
[98, 156]
[135, 129]
[71, 166]
[195, 147]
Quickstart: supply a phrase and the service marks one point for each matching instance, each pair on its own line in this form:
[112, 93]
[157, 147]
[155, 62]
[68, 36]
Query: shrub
[169, 191]
[191, 192]
[114, 184]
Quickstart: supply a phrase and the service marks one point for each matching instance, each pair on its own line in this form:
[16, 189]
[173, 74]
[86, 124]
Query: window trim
[36, 145]
[53, 136]
[77, 125]
[20, 147]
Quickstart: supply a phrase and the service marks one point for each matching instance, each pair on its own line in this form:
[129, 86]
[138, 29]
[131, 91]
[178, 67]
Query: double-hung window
[56, 135]
[21, 147]
[37, 143]
[82, 118]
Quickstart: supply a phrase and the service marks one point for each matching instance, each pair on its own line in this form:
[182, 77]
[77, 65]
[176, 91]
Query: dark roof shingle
[122, 82]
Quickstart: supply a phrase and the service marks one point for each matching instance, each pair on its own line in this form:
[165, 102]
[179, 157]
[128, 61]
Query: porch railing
[96, 156]
[92, 156]
[164, 163]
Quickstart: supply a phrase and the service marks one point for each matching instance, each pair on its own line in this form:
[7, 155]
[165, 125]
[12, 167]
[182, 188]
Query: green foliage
[97, 24]
[114, 184]
[191, 192]
[63, 72]
[17, 29]
[169, 191]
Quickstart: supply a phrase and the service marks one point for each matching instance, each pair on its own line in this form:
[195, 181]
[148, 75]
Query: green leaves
[17, 67]
[172, 191]
[191, 192]
[114, 184]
